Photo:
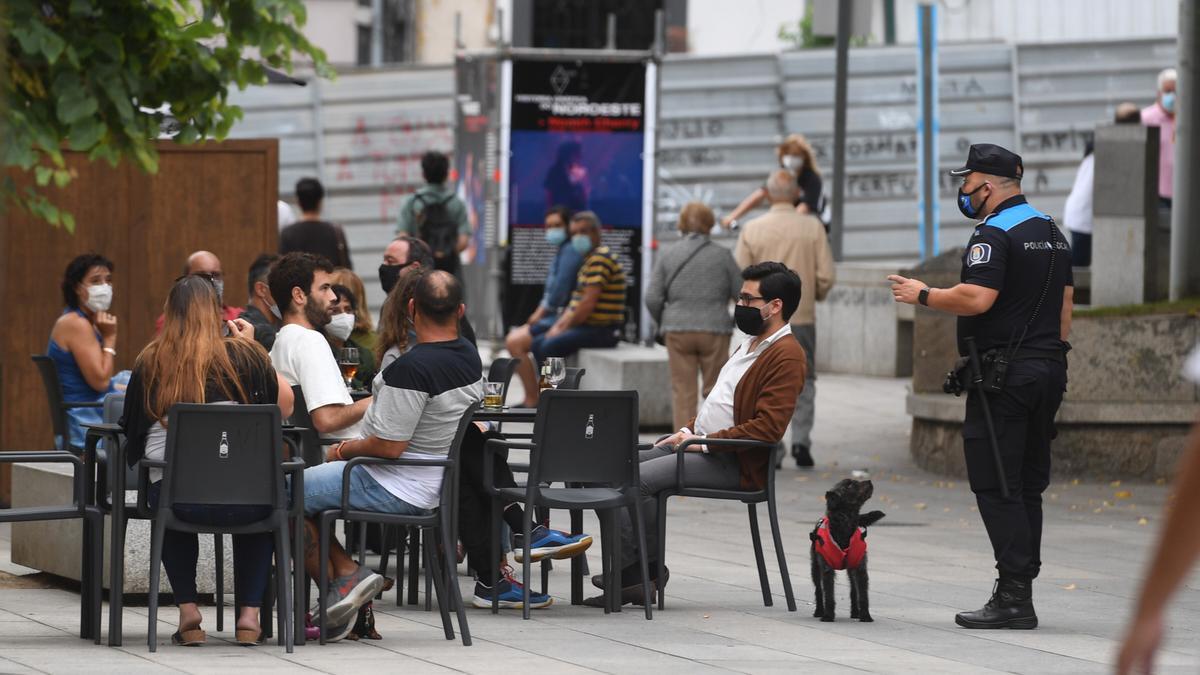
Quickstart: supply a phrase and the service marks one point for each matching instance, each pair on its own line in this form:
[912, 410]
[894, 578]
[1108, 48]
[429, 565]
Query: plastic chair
[226, 455]
[750, 497]
[573, 378]
[54, 398]
[119, 475]
[441, 520]
[92, 561]
[579, 438]
[502, 370]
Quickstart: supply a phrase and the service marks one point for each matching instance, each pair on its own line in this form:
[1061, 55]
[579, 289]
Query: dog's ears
[869, 519]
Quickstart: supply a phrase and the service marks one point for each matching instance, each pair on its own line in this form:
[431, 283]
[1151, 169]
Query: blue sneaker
[510, 596]
[549, 543]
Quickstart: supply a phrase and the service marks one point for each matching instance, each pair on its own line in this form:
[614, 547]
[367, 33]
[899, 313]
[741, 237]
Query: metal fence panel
[976, 93]
[1064, 91]
[719, 126]
[363, 134]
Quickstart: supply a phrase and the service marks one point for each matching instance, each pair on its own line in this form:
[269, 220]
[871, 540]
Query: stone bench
[54, 546]
[630, 366]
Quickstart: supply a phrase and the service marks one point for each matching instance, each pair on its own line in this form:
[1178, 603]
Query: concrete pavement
[929, 558]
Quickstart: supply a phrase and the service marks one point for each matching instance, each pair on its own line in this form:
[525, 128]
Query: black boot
[1011, 606]
[803, 457]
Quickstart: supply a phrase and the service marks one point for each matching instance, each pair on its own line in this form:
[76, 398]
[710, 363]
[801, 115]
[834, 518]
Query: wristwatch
[923, 296]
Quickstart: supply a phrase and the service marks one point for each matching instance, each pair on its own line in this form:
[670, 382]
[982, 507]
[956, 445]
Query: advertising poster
[475, 96]
[577, 138]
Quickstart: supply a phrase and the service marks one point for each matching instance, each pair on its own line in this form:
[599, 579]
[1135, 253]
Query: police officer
[1015, 299]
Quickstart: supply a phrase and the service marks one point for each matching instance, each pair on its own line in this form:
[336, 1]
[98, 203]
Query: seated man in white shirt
[300, 285]
[753, 398]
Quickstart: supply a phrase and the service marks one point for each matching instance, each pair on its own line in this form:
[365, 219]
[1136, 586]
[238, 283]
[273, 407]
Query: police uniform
[1019, 252]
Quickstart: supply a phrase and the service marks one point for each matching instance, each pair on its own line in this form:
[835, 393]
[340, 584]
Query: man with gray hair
[797, 240]
[1161, 114]
[593, 317]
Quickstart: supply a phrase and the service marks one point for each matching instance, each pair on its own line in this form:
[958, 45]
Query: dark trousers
[251, 552]
[1081, 249]
[474, 503]
[1023, 415]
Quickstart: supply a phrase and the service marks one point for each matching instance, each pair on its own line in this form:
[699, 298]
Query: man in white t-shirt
[300, 285]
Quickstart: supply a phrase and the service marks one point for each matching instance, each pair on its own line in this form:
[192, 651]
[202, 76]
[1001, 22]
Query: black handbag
[659, 338]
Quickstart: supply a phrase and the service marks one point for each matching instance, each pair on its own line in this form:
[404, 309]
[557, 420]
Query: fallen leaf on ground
[1123, 494]
[1069, 587]
[1115, 483]
[1098, 509]
[1143, 521]
[920, 506]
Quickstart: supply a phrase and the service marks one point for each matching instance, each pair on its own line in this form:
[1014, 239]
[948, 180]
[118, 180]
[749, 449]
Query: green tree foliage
[97, 76]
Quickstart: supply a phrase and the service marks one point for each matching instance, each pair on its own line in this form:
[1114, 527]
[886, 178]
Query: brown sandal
[248, 637]
[189, 638]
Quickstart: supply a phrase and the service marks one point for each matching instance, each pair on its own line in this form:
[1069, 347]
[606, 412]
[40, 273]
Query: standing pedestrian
[692, 284]
[1161, 114]
[1014, 300]
[797, 240]
[436, 215]
[311, 234]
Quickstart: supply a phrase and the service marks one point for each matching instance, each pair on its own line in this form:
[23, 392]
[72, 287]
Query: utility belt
[994, 365]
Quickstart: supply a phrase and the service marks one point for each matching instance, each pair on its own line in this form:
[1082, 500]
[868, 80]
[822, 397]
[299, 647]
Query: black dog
[839, 542]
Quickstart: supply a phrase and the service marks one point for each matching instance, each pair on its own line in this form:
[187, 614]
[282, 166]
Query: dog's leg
[852, 577]
[827, 587]
[815, 563]
[864, 610]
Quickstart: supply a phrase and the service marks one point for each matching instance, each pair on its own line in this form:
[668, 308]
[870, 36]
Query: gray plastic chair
[750, 497]
[251, 473]
[580, 438]
[441, 521]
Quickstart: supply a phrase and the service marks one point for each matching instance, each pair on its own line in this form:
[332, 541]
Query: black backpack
[438, 230]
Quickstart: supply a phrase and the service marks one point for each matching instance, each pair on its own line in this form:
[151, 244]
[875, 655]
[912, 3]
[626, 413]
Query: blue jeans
[251, 552]
[572, 340]
[323, 490]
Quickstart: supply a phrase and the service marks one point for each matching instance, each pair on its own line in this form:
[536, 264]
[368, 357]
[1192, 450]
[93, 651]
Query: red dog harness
[835, 556]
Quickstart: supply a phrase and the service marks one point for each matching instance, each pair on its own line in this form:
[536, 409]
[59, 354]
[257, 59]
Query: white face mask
[793, 163]
[99, 297]
[340, 326]
[275, 310]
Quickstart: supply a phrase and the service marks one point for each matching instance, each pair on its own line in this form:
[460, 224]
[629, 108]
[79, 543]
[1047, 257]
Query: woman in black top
[190, 362]
[797, 156]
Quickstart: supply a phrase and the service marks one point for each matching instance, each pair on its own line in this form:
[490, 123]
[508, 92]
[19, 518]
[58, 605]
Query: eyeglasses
[746, 299]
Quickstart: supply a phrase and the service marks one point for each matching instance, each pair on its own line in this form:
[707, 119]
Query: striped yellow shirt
[602, 269]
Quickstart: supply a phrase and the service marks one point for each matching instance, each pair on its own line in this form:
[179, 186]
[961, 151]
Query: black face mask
[389, 276]
[749, 320]
[964, 203]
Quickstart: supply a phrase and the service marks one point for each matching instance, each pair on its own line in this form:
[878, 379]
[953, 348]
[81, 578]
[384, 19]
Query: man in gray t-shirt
[415, 413]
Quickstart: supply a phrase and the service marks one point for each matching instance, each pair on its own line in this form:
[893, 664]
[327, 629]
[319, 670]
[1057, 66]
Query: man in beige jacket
[798, 241]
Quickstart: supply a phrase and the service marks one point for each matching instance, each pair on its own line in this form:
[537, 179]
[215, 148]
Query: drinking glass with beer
[493, 395]
[348, 362]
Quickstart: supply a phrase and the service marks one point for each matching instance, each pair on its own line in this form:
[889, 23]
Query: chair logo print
[223, 448]
[590, 430]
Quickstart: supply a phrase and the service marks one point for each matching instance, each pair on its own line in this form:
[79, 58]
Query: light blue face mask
[1168, 101]
[556, 236]
[582, 243]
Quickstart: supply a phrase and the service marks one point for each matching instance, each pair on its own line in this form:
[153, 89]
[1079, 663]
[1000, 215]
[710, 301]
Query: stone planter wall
[1126, 413]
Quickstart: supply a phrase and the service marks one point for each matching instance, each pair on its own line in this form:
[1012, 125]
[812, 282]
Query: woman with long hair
[796, 155]
[396, 334]
[190, 361]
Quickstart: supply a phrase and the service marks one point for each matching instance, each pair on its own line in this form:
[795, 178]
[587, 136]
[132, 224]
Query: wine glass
[558, 370]
[348, 362]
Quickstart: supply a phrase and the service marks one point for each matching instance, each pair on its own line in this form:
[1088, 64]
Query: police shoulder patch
[979, 254]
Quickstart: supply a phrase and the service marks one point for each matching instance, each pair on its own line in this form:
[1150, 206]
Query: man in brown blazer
[752, 399]
[798, 240]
